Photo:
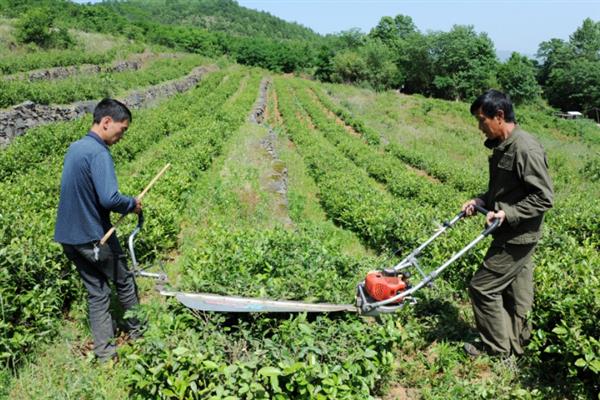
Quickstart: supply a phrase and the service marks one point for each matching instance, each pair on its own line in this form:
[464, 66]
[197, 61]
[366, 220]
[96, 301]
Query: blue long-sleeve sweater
[88, 192]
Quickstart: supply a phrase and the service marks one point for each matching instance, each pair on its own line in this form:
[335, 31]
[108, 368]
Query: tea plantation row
[84, 87]
[567, 285]
[36, 281]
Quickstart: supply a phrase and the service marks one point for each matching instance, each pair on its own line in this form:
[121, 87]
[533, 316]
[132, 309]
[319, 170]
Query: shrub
[37, 26]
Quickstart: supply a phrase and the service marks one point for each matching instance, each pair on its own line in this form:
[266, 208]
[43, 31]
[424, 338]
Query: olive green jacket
[520, 186]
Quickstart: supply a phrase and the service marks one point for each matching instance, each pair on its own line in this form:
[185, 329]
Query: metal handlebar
[489, 228]
[411, 260]
[137, 230]
[161, 276]
[445, 226]
[481, 209]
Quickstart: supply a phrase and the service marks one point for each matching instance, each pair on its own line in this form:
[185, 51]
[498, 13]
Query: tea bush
[84, 87]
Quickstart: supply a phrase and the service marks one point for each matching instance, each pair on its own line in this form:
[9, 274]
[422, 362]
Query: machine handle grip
[494, 225]
[140, 223]
[481, 209]
[484, 211]
[491, 228]
[463, 214]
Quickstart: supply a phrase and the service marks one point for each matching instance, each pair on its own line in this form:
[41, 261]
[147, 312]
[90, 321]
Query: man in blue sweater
[88, 193]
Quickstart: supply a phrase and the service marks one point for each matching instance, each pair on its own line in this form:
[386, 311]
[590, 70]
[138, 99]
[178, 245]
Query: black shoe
[135, 334]
[473, 350]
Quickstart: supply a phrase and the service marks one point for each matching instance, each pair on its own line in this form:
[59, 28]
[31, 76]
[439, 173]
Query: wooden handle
[139, 197]
[153, 181]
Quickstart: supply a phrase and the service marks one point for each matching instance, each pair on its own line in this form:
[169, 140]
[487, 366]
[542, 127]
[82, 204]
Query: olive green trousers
[502, 296]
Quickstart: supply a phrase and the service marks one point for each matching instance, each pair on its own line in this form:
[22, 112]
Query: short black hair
[111, 108]
[491, 101]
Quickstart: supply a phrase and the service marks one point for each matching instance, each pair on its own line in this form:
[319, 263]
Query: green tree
[337, 56]
[464, 63]
[554, 53]
[398, 34]
[586, 40]
[292, 55]
[391, 30]
[17, 8]
[570, 71]
[349, 39]
[348, 67]
[575, 87]
[34, 27]
[416, 63]
[517, 78]
[382, 72]
[324, 63]
[385, 30]
[258, 52]
[404, 25]
[372, 64]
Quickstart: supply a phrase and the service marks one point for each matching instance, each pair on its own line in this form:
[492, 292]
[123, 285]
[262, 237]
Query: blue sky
[513, 25]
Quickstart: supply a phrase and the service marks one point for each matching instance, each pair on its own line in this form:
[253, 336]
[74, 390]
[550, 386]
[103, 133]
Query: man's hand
[138, 206]
[469, 206]
[489, 218]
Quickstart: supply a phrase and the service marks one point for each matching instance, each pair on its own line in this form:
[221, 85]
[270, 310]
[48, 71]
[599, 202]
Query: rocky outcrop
[278, 182]
[20, 118]
[258, 112]
[65, 72]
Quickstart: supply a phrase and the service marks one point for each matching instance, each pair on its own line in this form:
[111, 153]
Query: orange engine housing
[382, 287]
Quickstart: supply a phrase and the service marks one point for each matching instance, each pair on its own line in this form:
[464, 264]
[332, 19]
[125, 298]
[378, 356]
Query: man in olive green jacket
[519, 192]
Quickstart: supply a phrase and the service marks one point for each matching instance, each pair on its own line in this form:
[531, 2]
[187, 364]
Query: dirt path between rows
[273, 117]
[277, 182]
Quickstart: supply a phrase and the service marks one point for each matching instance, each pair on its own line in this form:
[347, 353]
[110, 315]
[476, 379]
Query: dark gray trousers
[110, 265]
[502, 296]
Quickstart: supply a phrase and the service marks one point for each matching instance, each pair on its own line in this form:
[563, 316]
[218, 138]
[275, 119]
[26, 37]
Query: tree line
[453, 65]
[461, 63]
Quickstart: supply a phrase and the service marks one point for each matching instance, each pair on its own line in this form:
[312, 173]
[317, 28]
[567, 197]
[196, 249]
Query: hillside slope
[214, 15]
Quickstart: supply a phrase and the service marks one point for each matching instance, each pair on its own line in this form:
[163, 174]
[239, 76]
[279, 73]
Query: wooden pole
[139, 197]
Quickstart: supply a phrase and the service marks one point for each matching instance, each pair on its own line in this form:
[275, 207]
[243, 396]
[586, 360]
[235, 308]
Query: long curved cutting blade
[214, 302]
